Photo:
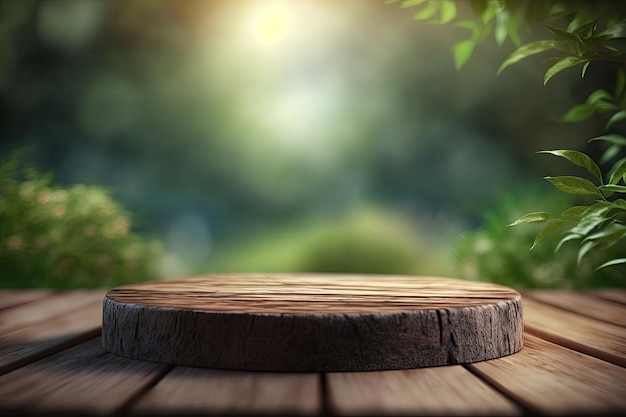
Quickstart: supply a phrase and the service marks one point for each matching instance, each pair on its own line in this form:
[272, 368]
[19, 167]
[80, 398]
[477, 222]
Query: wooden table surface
[52, 363]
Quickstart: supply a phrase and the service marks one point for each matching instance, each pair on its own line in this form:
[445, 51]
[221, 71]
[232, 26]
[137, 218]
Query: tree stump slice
[313, 322]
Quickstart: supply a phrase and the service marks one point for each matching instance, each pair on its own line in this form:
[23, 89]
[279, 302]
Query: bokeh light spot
[272, 24]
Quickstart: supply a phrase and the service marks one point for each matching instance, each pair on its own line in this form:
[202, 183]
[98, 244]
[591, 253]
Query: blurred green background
[163, 138]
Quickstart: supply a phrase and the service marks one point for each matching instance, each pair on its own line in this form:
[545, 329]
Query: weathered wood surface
[12, 298]
[34, 340]
[429, 391]
[199, 390]
[313, 322]
[575, 331]
[62, 303]
[78, 377]
[549, 379]
[618, 296]
[593, 306]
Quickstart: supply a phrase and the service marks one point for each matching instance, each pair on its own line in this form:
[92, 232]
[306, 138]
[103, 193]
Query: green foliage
[501, 255]
[362, 240]
[597, 226]
[582, 32]
[378, 245]
[65, 237]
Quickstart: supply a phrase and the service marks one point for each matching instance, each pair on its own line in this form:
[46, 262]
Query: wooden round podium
[312, 322]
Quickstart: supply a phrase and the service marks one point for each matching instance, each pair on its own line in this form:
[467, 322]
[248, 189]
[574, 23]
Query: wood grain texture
[617, 295]
[550, 379]
[450, 390]
[187, 390]
[594, 307]
[35, 341]
[313, 322]
[12, 298]
[83, 379]
[46, 308]
[593, 337]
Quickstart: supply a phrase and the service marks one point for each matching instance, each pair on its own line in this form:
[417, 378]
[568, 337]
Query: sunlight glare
[272, 24]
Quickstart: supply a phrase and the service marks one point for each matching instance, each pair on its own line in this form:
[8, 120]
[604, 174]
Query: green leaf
[579, 113]
[612, 262]
[599, 96]
[587, 30]
[490, 11]
[575, 211]
[615, 29]
[567, 238]
[584, 71]
[569, 35]
[513, 29]
[555, 226]
[564, 63]
[484, 31]
[502, 21]
[609, 235]
[613, 188]
[590, 222]
[585, 247]
[596, 209]
[427, 12]
[536, 217]
[537, 47]
[619, 203]
[621, 115]
[462, 52]
[595, 40]
[619, 172]
[411, 3]
[610, 153]
[580, 159]
[447, 11]
[613, 138]
[573, 185]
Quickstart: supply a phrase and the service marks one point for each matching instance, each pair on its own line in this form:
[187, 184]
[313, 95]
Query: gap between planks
[48, 335]
[83, 379]
[594, 307]
[574, 331]
[12, 298]
[545, 378]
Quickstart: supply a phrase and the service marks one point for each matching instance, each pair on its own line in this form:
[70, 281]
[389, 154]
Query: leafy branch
[581, 33]
[597, 226]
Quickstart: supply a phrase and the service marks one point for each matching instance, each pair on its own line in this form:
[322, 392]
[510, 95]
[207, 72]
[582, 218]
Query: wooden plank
[446, 390]
[187, 390]
[83, 379]
[550, 379]
[312, 322]
[39, 340]
[584, 304]
[590, 336]
[12, 298]
[46, 308]
[617, 295]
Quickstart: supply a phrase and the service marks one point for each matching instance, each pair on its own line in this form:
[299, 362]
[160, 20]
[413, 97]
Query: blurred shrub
[501, 254]
[363, 240]
[370, 242]
[65, 237]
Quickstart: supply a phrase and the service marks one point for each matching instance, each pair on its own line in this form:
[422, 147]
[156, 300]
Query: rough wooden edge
[313, 343]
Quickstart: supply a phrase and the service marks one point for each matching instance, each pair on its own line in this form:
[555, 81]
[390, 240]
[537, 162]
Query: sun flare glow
[272, 24]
